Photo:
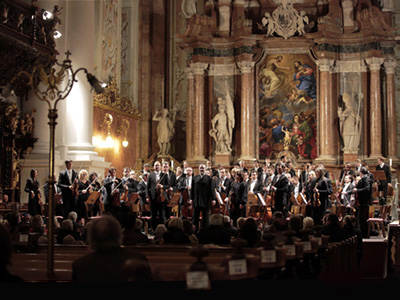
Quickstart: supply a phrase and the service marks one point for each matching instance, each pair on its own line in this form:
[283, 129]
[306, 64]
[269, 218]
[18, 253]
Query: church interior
[126, 83]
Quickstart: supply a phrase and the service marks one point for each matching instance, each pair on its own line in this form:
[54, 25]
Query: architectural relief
[285, 21]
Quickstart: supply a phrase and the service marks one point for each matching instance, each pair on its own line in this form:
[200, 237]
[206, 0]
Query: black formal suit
[324, 187]
[363, 194]
[238, 197]
[383, 185]
[64, 182]
[156, 205]
[203, 193]
[281, 193]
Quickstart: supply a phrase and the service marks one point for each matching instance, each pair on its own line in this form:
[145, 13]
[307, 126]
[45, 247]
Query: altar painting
[287, 96]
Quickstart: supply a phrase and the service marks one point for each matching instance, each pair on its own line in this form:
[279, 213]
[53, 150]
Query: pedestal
[350, 157]
[222, 158]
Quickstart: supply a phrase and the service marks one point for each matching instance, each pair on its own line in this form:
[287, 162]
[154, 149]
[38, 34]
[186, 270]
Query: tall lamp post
[52, 82]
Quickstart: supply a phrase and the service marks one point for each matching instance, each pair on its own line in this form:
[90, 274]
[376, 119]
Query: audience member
[296, 224]
[350, 225]
[108, 260]
[250, 233]
[67, 228]
[228, 224]
[332, 228]
[175, 233]
[215, 233]
[159, 233]
[189, 229]
[131, 230]
[5, 256]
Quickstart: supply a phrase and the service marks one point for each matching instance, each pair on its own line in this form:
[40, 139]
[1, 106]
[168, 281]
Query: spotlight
[47, 15]
[95, 83]
[57, 34]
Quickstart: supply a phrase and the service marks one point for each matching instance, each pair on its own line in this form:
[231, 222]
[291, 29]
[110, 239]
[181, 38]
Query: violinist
[238, 197]
[322, 190]
[141, 190]
[97, 207]
[83, 193]
[132, 183]
[156, 182]
[113, 189]
[66, 181]
[32, 187]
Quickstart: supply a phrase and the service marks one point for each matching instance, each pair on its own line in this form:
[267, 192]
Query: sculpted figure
[165, 131]
[350, 123]
[222, 125]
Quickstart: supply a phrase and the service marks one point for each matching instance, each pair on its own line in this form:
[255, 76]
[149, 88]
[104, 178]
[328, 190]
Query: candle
[390, 162]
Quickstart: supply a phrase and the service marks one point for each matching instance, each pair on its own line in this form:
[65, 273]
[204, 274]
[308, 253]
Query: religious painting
[287, 95]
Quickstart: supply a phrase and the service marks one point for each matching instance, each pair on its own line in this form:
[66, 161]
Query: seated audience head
[216, 219]
[105, 234]
[176, 223]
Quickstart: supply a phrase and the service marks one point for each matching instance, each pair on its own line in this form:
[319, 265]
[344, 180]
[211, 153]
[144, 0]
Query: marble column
[189, 115]
[198, 113]
[374, 64]
[326, 120]
[390, 66]
[246, 104]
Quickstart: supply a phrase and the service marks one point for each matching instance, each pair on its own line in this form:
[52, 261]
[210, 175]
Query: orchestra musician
[113, 190]
[84, 189]
[95, 186]
[362, 192]
[345, 193]
[32, 187]
[131, 183]
[238, 194]
[383, 182]
[141, 190]
[257, 167]
[347, 170]
[202, 197]
[184, 186]
[308, 191]
[322, 190]
[157, 185]
[66, 180]
[280, 188]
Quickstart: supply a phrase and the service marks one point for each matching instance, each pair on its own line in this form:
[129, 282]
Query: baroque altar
[306, 78]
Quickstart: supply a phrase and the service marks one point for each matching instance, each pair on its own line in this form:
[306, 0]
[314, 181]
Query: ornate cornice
[113, 100]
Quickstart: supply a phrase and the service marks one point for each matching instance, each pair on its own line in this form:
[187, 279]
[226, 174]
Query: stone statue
[350, 123]
[223, 124]
[165, 131]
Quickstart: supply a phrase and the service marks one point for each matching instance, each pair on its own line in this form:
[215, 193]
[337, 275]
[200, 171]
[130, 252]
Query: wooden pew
[172, 262]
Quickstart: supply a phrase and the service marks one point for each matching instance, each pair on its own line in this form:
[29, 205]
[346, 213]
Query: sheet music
[261, 199]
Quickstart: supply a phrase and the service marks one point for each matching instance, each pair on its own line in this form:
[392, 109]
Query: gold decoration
[114, 100]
